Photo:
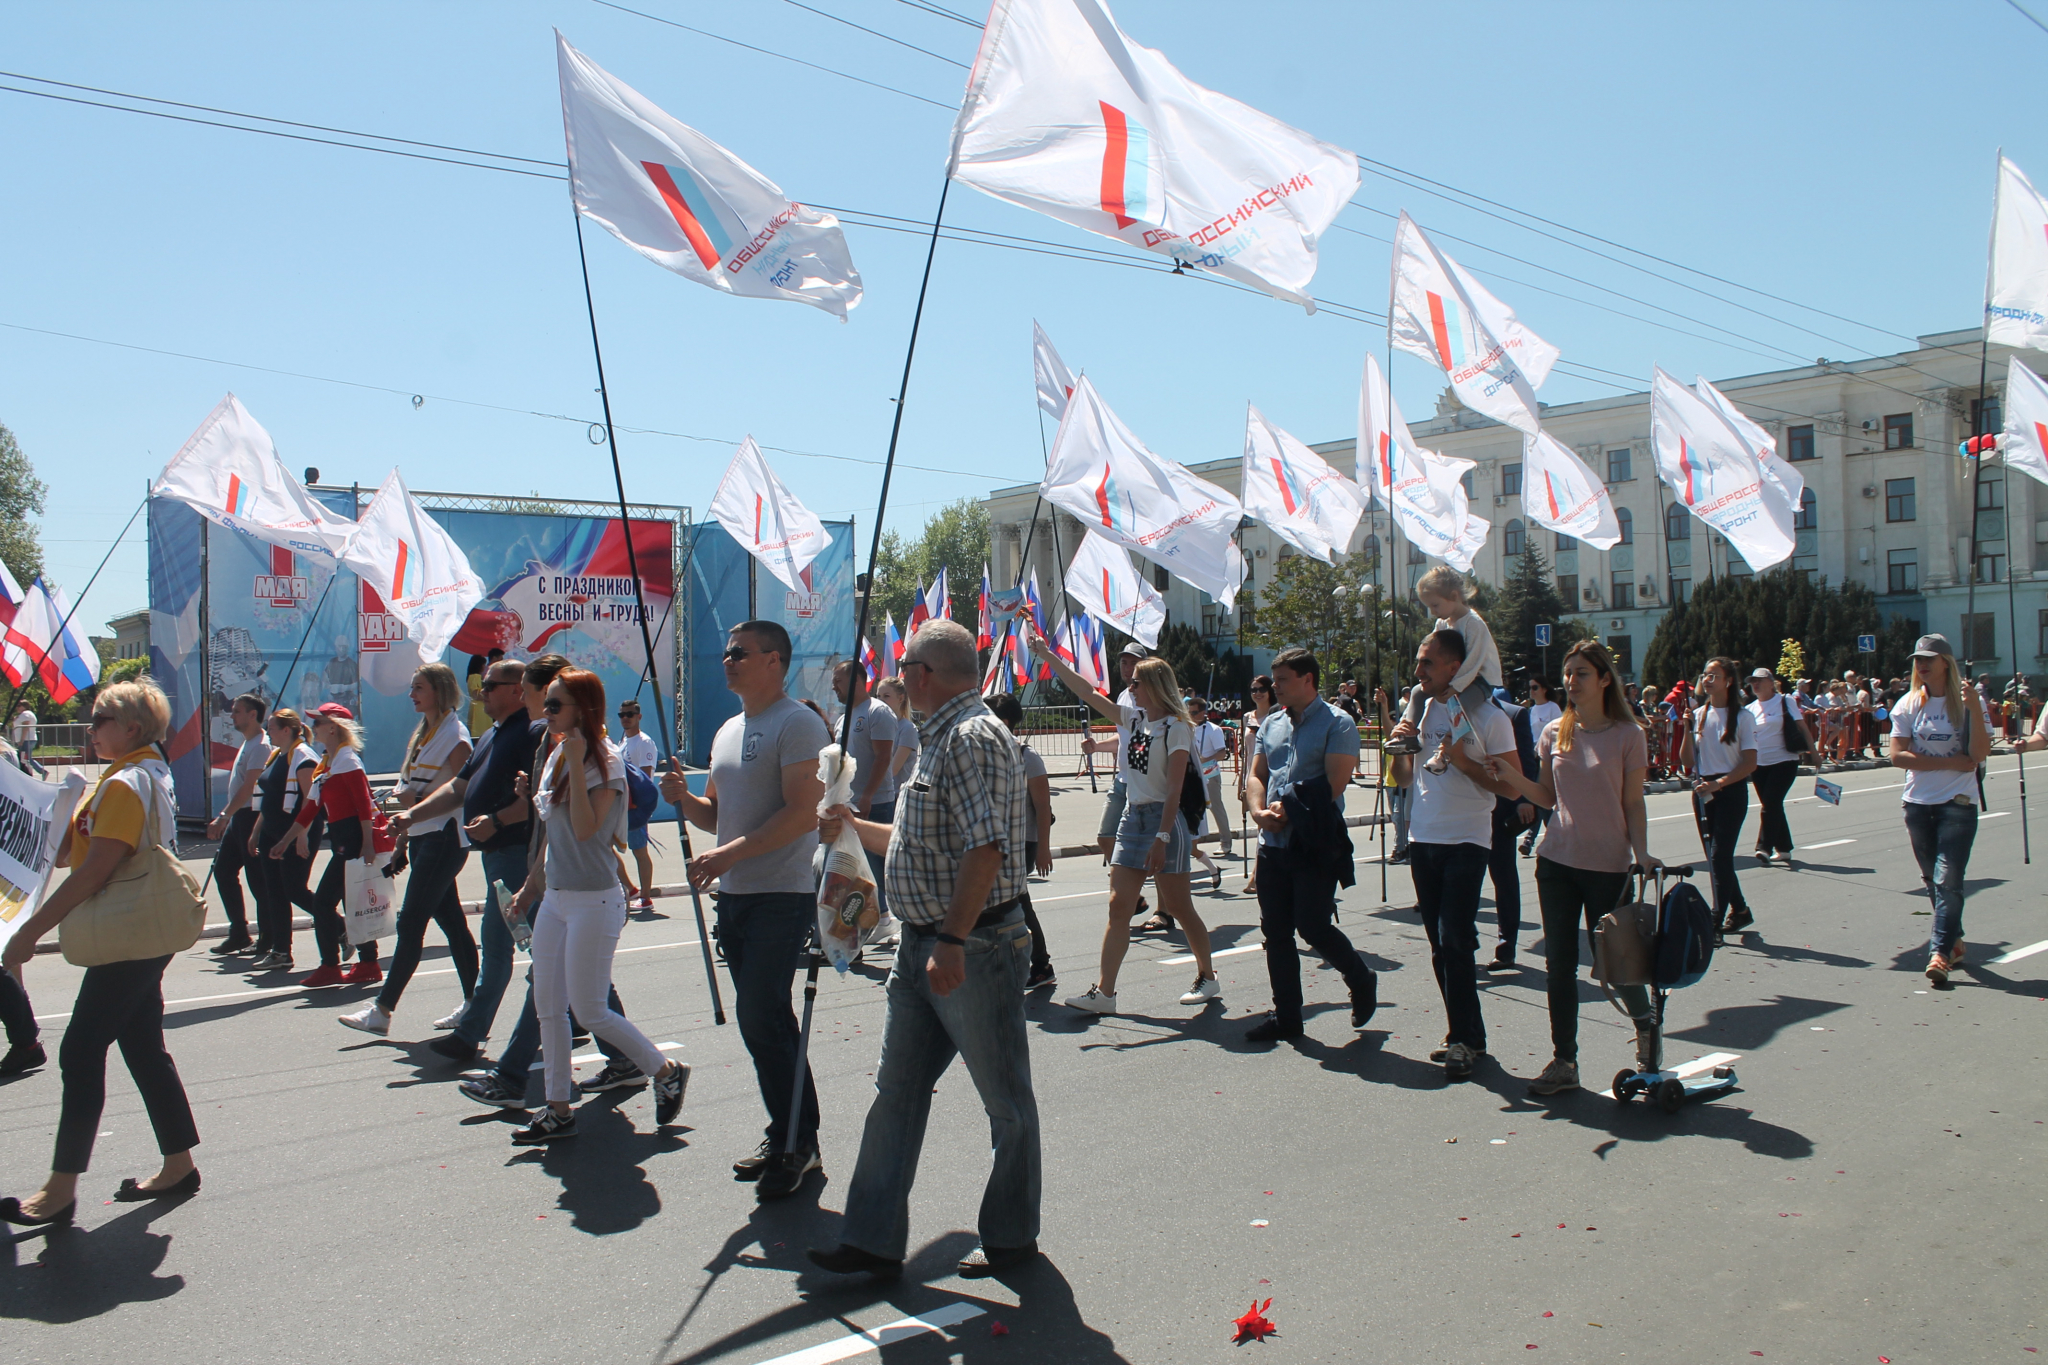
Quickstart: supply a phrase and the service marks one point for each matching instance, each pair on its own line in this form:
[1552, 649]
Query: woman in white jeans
[581, 801]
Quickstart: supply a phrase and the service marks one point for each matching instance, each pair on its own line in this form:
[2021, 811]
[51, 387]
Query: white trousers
[575, 935]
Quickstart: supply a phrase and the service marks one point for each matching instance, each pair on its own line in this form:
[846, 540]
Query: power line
[877, 33]
[2029, 17]
[929, 8]
[768, 52]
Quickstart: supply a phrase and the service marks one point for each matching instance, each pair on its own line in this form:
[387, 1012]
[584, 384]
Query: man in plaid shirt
[956, 880]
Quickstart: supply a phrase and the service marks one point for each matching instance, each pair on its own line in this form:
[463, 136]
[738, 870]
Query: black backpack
[1685, 937]
[1194, 794]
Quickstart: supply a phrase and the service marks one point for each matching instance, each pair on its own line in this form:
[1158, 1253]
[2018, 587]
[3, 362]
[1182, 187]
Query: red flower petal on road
[996, 1329]
[1550, 1315]
[1255, 1325]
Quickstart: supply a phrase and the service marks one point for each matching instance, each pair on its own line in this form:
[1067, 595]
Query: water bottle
[522, 932]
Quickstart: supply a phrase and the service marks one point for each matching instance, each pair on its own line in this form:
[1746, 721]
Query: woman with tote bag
[115, 900]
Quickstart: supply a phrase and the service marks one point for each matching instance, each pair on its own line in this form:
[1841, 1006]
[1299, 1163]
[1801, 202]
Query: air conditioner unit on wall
[1590, 594]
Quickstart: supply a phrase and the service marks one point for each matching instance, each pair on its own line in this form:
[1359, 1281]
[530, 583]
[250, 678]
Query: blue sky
[1839, 155]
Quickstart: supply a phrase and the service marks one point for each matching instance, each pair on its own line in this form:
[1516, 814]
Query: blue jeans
[507, 865]
[1448, 878]
[1397, 800]
[882, 813]
[983, 1022]
[764, 936]
[524, 1044]
[1941, 837]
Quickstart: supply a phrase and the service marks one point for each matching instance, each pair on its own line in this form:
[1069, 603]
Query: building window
[1799, 443]
[1568, 590]
[1898, 431]
[1372, 550]
[1980, 637]
[1565, 544]
[1513, 539]
[1990, 509]
[1623, 650]
[1737, 569]
[1677, 522]
[1620, 465]
[1986, 415]
[1804, 519]
[1681, 590]
[1899, 500]
[1415, 554]
[1902, 570]
[1466, 479]
[1990, 568]
[1159, 574]
[2044, 632]
[1626, 520]
[1624, 590]
[1510, 479]
[1210, 615]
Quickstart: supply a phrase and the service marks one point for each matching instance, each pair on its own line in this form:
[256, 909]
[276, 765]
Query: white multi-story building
[1887, 505]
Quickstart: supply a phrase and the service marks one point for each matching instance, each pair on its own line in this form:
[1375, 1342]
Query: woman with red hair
[580, 799]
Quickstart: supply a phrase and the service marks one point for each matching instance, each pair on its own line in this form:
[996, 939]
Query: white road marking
[1832, 843]
[1227, 952]
[1077, 896]
[2016, 954]
[1994, 815]
[599, 1056]
[861, 1343]
[1694, 1067]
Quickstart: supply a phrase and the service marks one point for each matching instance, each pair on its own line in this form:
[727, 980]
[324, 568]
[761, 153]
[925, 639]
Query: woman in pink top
[1594, 758]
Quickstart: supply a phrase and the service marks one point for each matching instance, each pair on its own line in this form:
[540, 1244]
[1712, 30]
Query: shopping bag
[846, 892]
[370, 903]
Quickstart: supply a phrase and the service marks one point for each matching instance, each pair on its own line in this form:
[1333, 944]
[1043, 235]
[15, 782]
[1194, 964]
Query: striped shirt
[967, 791]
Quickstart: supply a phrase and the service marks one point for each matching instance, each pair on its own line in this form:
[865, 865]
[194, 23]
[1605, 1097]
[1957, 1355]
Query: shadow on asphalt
[83, 1273]
[1754, 942]
[1045, 1325]
[1745, 1028]
[605, 1189]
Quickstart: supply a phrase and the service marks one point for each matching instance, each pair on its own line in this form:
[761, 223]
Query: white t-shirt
[433, 765]
[1541, 714]
[1926, 726]
[25, 728]
[1713, 755]
[1210, 746]
[1768, 719]
[1449, 807]
[639, 751]
[249, 759]
[1145, 753]
[1128, 700]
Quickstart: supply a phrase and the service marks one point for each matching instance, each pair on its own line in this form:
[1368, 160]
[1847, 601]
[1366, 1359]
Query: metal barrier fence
[62, 742]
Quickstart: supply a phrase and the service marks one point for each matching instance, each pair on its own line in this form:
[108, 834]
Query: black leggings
[436, 858]
[122, 1002]
[1725, 812]
[1773, 781]
[1573, 898]
[330, 930]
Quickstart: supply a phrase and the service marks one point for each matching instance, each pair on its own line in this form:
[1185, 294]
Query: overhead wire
[941, 12]
[826, 14]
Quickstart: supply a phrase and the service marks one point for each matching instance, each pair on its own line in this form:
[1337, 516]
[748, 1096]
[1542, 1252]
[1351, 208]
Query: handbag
[150, 907]
[1794, 727]
[370, 902]
[1624, 945]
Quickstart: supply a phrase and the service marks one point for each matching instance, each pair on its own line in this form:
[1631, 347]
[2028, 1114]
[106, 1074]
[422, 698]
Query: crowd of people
[954, 810]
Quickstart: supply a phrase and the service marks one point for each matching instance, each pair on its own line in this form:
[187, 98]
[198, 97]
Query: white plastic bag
[370, 903]
[846, 893]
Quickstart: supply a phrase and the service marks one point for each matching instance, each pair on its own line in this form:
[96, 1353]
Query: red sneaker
[326, 974]
[364, 973]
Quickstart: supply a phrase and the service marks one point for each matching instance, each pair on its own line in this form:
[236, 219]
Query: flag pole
[292, 667]
[1979, 431]
[43, 654]
[640, 607]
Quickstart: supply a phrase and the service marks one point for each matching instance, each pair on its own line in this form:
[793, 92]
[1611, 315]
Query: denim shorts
[636, 836]
[1139, 830]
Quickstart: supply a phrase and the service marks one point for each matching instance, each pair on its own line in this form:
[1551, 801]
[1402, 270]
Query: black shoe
[985, 1261]
[10, 1212]
[460, 1051]
[846, 1260]
[617, 1075]
[1141, 908]
[668, 1093]
[1041, 978]
[233, 943]
[1399, 857]
[786, 1171]
[493, 1089]
[1215, 884]
[133, 1193]
[547, 1125]
[1365, 1003]
[1740, 919]
[23, 1057]
[750, 1167]
[1271, 1030]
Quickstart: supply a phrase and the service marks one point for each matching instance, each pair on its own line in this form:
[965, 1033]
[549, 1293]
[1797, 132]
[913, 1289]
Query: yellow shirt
[119, 815]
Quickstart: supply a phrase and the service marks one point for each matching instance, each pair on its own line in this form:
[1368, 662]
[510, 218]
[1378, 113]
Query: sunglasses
[492, 684]
[736, 653]
[553, 706]
[99, 720]
[629, 715]
[912, 663]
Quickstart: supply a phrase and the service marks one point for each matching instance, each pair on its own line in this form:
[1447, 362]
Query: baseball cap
[1932, 646]
[1761, 673]
[334, 710]
[1137, 651]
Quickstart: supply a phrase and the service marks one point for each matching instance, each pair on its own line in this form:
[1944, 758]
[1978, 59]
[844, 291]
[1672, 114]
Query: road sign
[1543, 636]
[1865, 644]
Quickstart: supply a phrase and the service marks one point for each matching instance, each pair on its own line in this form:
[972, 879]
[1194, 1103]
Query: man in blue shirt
[1306, 755]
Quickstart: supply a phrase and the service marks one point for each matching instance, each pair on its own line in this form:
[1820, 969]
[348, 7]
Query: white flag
[1105, 476]
[1559, 492]
[229, 472]
[2017, 311]
[1295, 492]
[1055, 381]
[1442, 314]
[1065, 115]
[1471, 538]
[757, 511]
[1103, 581]
[1711, 469]
[2024, 443]
[1784, 486]
[688, 204]
[415, 566]
[1415, 483]
[52, 641]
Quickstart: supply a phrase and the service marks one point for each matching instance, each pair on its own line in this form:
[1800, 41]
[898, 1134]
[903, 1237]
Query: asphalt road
[1872, 1191]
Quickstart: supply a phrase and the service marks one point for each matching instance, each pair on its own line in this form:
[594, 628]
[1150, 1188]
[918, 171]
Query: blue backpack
[642, 797]
[1685, 937]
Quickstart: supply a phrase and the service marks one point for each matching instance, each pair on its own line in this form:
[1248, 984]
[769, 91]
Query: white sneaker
[369, 1019]
[450, 1021]
[1093, 1002]
[1206, 988]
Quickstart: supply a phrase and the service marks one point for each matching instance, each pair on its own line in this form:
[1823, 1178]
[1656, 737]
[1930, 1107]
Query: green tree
[1357, 632]
[1200, 669]
[1749, 620]
[1528, 599]
[21, 493]
[955, 537]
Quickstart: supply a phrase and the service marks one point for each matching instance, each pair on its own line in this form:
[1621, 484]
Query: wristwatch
[1164, 836]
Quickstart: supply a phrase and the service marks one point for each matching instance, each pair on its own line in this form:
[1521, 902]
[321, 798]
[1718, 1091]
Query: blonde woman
[1938, 741]
[433, 849]
[1152, 837]
[1595, 756]
[341, 793]
[903, 758]
[118, 1002]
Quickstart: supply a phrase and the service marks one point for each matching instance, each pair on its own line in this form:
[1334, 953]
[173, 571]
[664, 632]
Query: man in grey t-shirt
[761, 802]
